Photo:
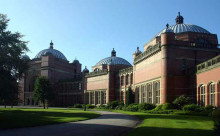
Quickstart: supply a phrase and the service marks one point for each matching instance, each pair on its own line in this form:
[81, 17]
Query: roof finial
[167, 25]
[51, 45]
[179, 19]
[113, 53]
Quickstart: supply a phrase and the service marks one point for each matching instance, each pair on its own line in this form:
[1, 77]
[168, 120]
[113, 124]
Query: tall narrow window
[131, 78]
[93, 97]
[212, 94]
[99, 97]
[149, 93]
[157, 92]
[104, 97]
[127, 79]
[202, 95]
[143, 89]
[122, 80]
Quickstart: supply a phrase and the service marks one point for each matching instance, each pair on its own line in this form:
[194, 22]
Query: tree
[42, 90]
[12, 66]
[129, 97]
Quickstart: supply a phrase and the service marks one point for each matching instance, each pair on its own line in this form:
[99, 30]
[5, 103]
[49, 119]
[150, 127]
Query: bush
[146, 106]
[193, 107]
[114, 104]
[102, 107]
[119, 107]
[209, 108]
[167, 106]
[181, 101]
[77, 106]
[216, 113]
[89, 106]
[132, 107]
[159, 107]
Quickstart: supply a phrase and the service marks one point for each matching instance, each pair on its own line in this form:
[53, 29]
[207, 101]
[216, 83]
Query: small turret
[85, 70]
[51, 45]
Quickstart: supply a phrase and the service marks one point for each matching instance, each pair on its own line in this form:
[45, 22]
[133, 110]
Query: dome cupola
[85, 70]
[50, 51]
[113, 60]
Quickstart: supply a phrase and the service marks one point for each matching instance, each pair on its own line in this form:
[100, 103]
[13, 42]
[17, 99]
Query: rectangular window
[157, 91]
[149, 93]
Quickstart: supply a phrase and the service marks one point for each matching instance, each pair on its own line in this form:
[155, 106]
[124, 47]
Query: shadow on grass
[156, 131]
[23, 118]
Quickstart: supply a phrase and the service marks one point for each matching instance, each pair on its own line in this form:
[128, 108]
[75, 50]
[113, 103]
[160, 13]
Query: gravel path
[109, 124]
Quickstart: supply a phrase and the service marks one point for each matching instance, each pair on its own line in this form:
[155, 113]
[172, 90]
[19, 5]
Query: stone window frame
[157, 92]
[211, 93]
[202, 93]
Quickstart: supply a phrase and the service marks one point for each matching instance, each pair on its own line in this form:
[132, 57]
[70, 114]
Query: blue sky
[89, 29]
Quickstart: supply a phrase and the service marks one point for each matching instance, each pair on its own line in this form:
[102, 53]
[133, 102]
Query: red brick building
[165, 70]
[208, 82]
[65, 77]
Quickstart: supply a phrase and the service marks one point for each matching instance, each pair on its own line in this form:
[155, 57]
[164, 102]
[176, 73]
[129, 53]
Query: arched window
[127, 79]
[202, 95]
[212, 94]
[149, 93]
[97, 70]
[122, 80]
[157, 91]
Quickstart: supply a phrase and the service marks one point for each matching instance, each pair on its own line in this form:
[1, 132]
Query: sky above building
[89, 29]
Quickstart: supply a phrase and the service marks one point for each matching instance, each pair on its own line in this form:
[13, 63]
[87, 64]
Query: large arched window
[212, 94]
[202, 95]
[149, 93]
[97, 70]
[157, 91]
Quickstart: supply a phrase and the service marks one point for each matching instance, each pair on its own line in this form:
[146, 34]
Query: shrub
[102, 107]
[77, 106]
[129, 96]
[132, 107]
[114, 104]
[193, 107]
[89, 106]
[146, 106]
[216, 113]
[209, 108]
[181, 101]
[167, 106]
[119, 107]
[159, 107]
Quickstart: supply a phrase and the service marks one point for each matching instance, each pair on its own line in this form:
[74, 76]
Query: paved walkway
[109, 124]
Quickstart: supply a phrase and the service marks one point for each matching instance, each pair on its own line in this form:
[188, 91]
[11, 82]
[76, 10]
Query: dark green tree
[182, 100]
[129, 96]
[12, 66]
[42, 90]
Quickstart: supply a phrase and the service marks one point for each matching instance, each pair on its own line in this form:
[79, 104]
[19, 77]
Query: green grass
[16, 118]
[172, 125]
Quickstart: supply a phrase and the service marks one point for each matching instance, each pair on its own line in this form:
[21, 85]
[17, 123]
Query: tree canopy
[42, 90]
[12, 65]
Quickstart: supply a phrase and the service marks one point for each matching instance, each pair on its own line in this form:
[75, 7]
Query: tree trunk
[44, 103]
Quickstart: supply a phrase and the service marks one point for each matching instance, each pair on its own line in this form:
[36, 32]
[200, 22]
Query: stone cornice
[126, 71]
[208, 65]
[97, 73]
[147, 53]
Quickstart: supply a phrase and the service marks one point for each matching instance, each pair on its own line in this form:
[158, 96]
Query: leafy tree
[12, 66]
[129, 97]
[182, 100]
[42, 90]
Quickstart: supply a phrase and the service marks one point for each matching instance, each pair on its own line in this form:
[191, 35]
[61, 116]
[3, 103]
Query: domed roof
[85, 70]
[180, 27]
[113, 60]
[76, 61]
[26, 57]
[50, 51]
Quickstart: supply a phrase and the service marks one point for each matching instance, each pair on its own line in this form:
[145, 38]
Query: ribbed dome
[113, 60]
[50, 51]
[179, 28]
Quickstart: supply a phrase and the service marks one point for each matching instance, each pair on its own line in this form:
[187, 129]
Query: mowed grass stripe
[17, 118]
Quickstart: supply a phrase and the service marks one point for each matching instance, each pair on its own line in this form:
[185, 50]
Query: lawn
[16, 118]
[172, 125]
